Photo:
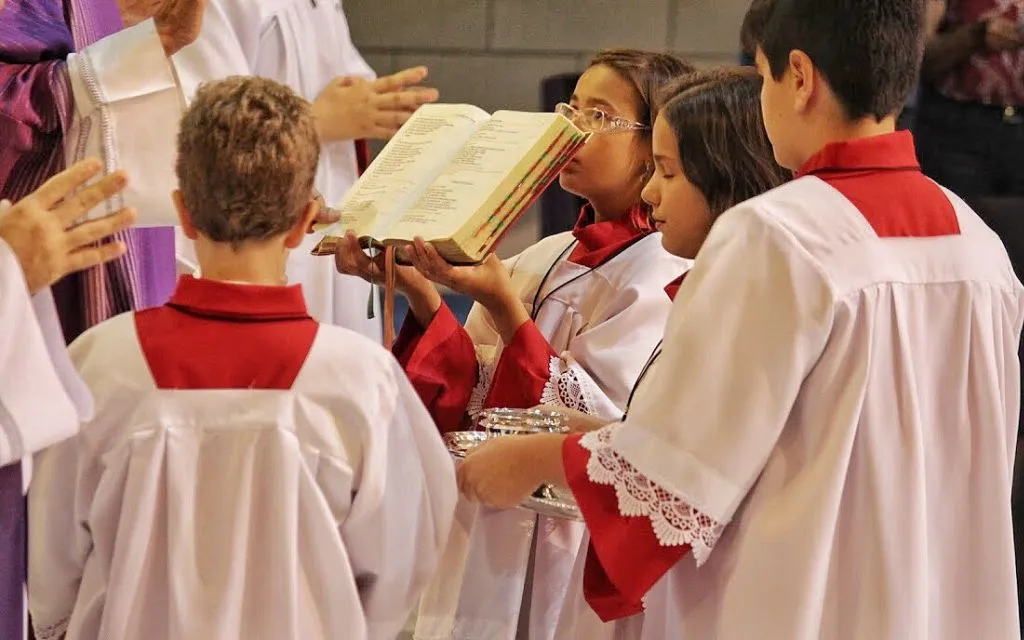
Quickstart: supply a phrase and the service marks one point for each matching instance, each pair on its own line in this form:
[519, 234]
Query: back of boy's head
[647, 71]
[715, 115]
[869, 51]
[247, 157]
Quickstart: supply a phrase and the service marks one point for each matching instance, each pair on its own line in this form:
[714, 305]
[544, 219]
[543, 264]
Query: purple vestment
[35, 110]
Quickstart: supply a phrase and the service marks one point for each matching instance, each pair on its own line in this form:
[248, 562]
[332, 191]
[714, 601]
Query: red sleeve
[362, 155]
[522, 370]
[440, 361]
[624, 559]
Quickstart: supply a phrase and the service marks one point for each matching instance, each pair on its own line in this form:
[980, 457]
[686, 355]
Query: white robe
[603, 326]
[113, 81]
[882, 389]
[317, 512]
[303, 45]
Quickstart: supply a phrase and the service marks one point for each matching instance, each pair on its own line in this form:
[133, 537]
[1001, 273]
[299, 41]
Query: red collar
[672, 288]
[886, 152]
[245, 302]
[599, 242]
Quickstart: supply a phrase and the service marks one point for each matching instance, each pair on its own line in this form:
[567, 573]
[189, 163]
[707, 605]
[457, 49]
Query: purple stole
[35, 110]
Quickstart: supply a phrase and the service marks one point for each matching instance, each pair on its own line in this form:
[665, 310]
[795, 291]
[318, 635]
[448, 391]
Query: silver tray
[460, 443]
[545, 501]
[549, 501]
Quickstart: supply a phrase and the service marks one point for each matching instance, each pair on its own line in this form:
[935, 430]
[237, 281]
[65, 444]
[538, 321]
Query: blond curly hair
[247, 157]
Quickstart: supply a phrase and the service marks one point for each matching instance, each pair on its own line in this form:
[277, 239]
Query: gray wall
[494, 53]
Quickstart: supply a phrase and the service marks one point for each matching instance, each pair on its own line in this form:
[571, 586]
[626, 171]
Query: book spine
[539, 185]
[497, 214]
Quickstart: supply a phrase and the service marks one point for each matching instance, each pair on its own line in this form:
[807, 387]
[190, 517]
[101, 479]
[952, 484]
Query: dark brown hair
[247, 157]
[869, 51]
[716, 117]
[647, 71]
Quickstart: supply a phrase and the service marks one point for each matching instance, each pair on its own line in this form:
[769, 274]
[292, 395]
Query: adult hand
[178, 22]
[1002, 35]
[352, 108]
[39, 230]
[325, 214]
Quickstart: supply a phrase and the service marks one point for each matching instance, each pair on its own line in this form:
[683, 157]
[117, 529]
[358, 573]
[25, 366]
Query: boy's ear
[303, 226]
[804, 79]
[184, 215]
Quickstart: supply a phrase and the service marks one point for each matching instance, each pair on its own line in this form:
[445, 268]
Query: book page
[412, 159]
[487, 158]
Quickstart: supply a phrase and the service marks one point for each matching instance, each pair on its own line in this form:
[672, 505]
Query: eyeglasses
[594, 120]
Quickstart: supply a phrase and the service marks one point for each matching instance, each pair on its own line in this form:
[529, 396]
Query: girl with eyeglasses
[711, 153]
[569, 322]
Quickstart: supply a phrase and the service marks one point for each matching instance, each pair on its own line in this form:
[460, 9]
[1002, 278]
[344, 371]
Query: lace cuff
[478, 397]
[674, 521]
[567, 386]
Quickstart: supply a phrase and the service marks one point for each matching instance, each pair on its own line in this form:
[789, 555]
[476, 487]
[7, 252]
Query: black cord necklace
[643, 374]
[535, 307]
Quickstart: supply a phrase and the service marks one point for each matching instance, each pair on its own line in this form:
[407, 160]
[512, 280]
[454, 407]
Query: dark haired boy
[248, 473]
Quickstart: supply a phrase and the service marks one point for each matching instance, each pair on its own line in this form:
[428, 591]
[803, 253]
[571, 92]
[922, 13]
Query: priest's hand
[178, 22]
[578, 421]
[503, 472]
[39, 228]
[325, 214]
[353, 108]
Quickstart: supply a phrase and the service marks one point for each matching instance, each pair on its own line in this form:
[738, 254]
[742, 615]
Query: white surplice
[316, 512]
[882, 388]
[304, 45]
[603, 323]
[118, 84]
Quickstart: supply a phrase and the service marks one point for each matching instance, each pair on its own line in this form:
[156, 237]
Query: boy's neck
[260, 263]
[848, 130]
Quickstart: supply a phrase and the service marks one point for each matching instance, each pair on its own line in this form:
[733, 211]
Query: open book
[456, 176]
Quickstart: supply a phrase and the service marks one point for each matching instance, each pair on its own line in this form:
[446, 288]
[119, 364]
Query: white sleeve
[749, 323]
[128, 104]
[226, 46]
[35, 408]
[402, 510]
[59, 541]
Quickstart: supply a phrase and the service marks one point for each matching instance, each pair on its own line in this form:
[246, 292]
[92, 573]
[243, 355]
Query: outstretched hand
[351, 108]
[40, 229]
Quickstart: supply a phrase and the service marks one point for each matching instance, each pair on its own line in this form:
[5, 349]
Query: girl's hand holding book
[488, 283]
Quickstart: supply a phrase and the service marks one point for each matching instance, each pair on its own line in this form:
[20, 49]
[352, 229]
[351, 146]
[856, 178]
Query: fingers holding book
[484, 282]
[350, 258]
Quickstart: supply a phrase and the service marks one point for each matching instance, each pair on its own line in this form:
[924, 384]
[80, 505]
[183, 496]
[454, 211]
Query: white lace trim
[485, 376]
[567, 386]
[674, 521]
